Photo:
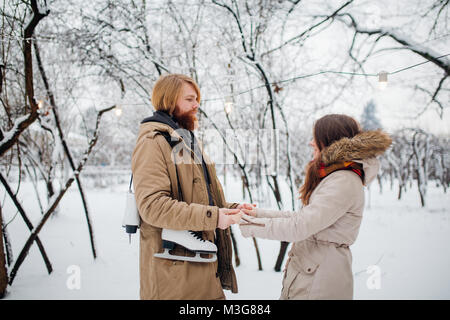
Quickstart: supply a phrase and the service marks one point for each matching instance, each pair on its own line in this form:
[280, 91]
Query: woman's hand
[228, 217]
[248, 206]
[248, 209]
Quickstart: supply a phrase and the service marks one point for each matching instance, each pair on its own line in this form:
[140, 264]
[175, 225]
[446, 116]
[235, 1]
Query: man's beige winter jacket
[157, 199]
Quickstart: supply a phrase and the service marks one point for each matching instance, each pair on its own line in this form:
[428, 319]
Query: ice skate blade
[197, 258]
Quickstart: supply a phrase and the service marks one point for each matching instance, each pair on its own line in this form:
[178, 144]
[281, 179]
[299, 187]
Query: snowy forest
[76, 80]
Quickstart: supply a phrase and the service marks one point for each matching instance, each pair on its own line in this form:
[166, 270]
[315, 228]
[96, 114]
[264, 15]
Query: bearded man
[180, 196]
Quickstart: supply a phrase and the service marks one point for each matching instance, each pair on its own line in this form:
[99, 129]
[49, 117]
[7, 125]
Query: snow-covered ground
[409, 244]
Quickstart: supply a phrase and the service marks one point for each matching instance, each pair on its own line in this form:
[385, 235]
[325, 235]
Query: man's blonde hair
[167, 90]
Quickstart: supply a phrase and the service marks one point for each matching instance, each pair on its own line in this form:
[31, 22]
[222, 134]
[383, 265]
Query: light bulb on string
[382, 79]
[118, 111]
[119, 106]
[228, 105]
[40, 104]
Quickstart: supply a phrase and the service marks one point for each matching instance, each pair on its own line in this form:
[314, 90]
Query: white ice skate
[190, 241]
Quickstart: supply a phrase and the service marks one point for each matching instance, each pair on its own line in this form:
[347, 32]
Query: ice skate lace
[197, 234]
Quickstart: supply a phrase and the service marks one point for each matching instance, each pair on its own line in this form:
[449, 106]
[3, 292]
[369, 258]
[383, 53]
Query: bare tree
[416, 155]
[20, 137]
[10, 137]
[3, 269]
[57, 199]
[373, 38]
[64, 144]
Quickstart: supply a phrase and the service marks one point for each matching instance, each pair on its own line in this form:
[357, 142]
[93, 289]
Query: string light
[382, 76]
[333, 72]
[382, 79]
[228, 105]
[118, 111]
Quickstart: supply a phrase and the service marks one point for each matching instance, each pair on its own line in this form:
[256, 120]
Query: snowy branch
[64, 144]
[308, 31]
[10, 137]
[27, 222]
[402, 39]
[53, 202]
[405, 43]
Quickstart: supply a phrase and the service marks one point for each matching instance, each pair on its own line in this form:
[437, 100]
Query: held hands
[246, 206]
[228, 217]
[248, 209]
[249, 219]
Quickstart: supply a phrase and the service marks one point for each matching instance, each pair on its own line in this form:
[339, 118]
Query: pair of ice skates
[189, 240]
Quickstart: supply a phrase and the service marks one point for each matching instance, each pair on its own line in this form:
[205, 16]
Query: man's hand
[228, 217]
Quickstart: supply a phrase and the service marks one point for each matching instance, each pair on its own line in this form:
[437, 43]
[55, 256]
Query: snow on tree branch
[54, 201]
[402, 39]
[10, 137]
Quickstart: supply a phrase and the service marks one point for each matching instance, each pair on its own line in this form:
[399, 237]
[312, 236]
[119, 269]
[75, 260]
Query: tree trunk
[380, 183]
[283, 248]
[244, 177]
[27, 222]
[236, 253]
[258, 256]
[421, 194]
[65, 146]
[56, 201]
[3, 272]
[23, 123]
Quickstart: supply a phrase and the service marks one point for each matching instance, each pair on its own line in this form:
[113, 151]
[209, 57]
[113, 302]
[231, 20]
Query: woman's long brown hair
[327, 130]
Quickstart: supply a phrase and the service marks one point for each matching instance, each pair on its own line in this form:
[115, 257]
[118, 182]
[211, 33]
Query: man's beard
[187, 120]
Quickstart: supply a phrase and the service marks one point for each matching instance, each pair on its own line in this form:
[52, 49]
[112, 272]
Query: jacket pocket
[305, 265]
[299, 278]
[168, 278]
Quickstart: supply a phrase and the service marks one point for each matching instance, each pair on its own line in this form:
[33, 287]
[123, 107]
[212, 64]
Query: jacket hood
[162, 117]
[160, 121]
[362, 148]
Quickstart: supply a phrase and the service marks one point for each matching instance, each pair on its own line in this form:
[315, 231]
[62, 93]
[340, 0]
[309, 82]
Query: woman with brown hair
[320, 260]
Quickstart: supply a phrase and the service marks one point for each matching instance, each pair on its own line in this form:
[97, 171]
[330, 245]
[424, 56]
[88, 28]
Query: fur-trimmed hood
[362, 148]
